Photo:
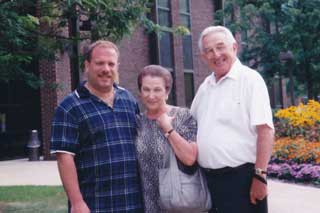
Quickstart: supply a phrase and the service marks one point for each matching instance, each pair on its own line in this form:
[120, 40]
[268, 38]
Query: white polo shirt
[227, 113]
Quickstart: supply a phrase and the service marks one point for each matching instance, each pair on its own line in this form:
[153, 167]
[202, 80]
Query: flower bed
[296, 152]
[291, 171]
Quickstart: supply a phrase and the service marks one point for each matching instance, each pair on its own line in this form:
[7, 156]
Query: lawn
[30, 199]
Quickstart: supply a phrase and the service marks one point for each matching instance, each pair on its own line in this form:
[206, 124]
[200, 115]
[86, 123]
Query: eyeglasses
[215, 50]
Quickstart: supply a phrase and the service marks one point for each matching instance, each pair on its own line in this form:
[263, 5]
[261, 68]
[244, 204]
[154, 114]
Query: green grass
[32, 199]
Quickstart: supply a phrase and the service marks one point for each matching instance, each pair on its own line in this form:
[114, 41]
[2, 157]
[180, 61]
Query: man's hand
[80, 207]
[258, 191]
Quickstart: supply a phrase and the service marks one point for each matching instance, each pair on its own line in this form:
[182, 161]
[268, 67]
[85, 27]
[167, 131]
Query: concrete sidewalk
[24, 172]
[283, 197]
[293, 198]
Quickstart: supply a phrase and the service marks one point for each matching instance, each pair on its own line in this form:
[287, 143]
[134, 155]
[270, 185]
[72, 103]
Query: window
[184, 6]
[218, 5]
[165, 37]
[163, 3]
[165, 42]
[188, 88]
[187, 52]
[165, 50]
[164, 17]
[185, 20]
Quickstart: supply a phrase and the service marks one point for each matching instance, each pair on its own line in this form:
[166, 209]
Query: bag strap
[173, 160]
[173, 112]
[173, 166]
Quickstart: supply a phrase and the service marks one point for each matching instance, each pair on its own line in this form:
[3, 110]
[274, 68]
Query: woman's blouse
[153, 152]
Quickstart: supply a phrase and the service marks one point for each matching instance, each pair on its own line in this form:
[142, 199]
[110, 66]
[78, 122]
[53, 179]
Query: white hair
[216, 29]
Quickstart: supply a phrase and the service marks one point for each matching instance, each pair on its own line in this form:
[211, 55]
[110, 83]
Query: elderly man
[93, 134]
[235, 128]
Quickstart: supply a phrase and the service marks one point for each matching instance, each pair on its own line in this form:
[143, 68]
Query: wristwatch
[259, 171]
[167, 134]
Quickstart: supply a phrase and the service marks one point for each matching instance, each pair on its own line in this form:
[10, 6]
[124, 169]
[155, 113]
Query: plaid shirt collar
[83, 92]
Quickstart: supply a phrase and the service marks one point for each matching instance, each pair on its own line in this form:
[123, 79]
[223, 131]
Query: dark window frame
[188, 69]
[218, 5]
[172, 95]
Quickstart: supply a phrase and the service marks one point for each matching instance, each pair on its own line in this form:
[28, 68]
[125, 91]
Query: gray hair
[216, 29]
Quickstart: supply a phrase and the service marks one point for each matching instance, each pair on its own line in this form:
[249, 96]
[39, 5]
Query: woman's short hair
[216, 29]
[156, 71]
[104, 43]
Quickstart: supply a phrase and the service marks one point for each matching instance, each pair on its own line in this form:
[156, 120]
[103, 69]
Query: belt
[227, 169]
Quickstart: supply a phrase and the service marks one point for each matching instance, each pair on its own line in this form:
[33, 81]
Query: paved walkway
[283, 197]
[24, 172]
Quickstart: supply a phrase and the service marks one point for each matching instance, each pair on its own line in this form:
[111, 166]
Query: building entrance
[19, 114]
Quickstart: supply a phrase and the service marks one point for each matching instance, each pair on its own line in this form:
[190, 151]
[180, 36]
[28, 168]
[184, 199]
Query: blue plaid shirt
[102, 139]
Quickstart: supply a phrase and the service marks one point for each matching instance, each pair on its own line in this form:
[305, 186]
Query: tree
[271, 27]
[110, 19]
[302, 29]
[17, 41]
[27, 35]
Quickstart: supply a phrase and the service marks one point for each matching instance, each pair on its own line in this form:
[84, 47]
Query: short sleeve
[186, 125]
[259, 108]
[198, 100]
[194, 106]
[64, 132]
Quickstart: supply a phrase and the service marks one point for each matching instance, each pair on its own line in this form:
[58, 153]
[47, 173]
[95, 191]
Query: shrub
[302, 120]
[304, 173]
[298, 150]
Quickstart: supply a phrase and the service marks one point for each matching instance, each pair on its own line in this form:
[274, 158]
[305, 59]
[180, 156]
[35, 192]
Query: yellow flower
[301, 115]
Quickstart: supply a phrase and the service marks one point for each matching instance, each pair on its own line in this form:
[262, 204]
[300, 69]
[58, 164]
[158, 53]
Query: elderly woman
[161, 126]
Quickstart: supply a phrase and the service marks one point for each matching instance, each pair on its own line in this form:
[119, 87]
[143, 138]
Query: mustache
[113, 75]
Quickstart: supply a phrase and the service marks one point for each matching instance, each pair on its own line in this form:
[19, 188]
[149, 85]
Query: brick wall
[202, 17]
[178, 56]
[134, 55]
[57, 76]
[135, 52]
[63, 76]
[48, 100]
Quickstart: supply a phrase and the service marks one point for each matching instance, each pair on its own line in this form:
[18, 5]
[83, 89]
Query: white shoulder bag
[183, 192]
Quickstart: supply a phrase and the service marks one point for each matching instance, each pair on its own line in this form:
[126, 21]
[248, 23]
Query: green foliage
[269, 27]
[22, 43]
[111, 19]
[17, 41]
[303, 26]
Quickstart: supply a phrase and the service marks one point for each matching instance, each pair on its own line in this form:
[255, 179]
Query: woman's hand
[165, 122]
[185, 151]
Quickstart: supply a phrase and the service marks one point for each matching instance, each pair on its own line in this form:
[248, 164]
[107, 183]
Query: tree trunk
[291, 86]
[309, 80]
[74, 59]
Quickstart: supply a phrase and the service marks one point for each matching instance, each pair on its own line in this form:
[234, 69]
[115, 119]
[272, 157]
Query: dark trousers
[230, 190]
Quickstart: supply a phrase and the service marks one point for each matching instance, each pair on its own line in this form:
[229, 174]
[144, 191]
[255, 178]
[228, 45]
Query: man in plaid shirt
[93, 133]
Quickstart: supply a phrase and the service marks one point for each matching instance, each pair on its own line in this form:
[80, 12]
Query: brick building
[179, 54]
